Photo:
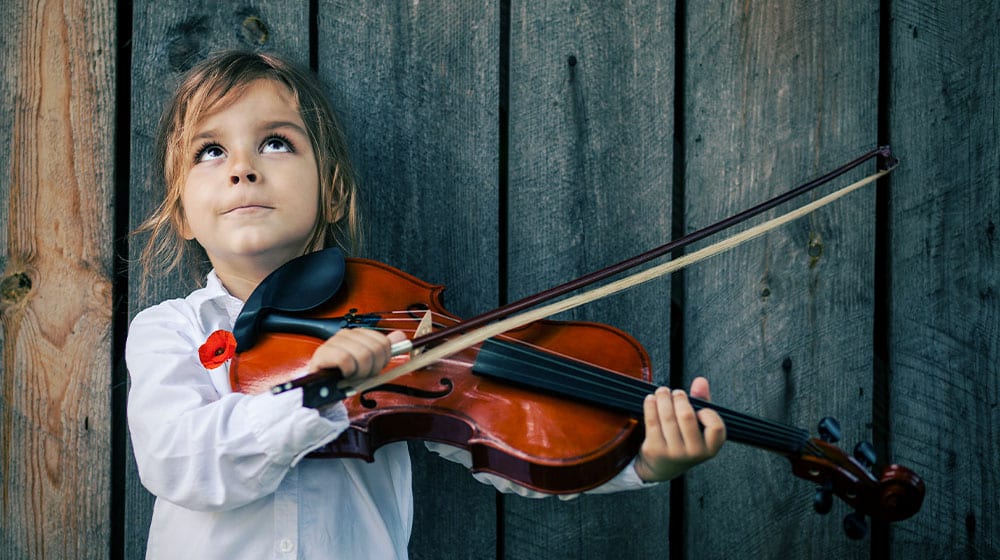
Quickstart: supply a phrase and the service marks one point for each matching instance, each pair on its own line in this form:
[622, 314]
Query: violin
[554, 406]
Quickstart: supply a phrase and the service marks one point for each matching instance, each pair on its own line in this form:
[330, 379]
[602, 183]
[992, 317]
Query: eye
[209, 152]
[277, 143]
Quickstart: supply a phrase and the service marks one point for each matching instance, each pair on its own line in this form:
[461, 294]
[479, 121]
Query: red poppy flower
[220, 346]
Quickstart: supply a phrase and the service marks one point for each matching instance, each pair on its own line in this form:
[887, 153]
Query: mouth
[247, 209]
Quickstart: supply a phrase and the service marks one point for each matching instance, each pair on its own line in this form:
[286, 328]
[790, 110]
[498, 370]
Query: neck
[238, 286]
[241, 277]
[241, 273]
[524, 365]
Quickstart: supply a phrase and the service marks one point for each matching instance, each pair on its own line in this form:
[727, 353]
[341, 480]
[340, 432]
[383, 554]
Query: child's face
[251, 196]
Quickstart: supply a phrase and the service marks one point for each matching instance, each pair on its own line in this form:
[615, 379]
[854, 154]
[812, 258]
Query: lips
[247, 209]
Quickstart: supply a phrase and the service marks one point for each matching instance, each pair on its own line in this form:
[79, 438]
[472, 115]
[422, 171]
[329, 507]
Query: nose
[242, 169]
[250, 177]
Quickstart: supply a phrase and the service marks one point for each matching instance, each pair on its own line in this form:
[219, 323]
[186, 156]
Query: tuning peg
[855, 525]
[823, 499]
[865, 453]
[829, 430]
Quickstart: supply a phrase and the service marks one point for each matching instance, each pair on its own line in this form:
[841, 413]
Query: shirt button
[286, 545]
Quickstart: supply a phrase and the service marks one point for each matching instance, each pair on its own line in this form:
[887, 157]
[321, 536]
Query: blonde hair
[211, 85]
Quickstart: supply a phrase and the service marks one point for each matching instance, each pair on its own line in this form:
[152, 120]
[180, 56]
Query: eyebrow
[265, 126]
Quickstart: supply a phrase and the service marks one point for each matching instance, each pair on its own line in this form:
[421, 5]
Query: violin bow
[327, 388]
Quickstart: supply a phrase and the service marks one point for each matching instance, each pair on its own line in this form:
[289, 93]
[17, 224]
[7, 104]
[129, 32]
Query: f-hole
[409, 391]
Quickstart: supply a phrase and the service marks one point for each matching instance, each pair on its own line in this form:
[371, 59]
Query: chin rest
[300, 285]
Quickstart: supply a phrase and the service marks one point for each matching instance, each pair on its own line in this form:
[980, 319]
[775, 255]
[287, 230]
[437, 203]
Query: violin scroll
[894, 494]
[901, 493]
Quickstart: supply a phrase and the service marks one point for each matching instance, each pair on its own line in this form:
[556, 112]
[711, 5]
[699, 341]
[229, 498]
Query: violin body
[541, 441]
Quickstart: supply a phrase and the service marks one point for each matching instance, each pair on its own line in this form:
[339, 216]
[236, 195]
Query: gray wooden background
[505, 147]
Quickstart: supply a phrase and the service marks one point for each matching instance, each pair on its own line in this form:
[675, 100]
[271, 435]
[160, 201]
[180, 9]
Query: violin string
[631, 400]
[626, 393]
[623, 392]
[633, 390]
[411, 319]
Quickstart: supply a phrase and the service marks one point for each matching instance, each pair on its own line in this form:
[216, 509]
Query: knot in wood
[185, 46]
[815, 248]
[254, 30]
[14, 288]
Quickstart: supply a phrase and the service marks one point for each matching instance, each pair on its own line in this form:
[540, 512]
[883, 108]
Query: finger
[668, 418]
[331, 355]
[356, 352]
[687, 424]
[396, 336]
[700, 389]
[374, 342]
[369, 349]
[654, 433]
[713, 430]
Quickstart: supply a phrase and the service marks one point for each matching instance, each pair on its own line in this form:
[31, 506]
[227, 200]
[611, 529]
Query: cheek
[311, 209]
[196, 192]
[185, 219]
[191, 203]
[310, 197]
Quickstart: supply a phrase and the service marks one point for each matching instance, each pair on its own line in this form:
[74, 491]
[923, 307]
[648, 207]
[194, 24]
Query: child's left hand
[675, 441]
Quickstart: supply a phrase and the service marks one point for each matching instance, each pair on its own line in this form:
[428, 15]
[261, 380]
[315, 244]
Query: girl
[256, 173]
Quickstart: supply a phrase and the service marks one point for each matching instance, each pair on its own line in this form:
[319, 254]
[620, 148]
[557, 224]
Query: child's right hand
[357, 353]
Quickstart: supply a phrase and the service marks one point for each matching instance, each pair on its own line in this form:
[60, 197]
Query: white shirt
[228, 469]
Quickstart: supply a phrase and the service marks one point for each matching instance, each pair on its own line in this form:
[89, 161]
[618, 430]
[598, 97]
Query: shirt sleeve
[199, 449]
[626, 479]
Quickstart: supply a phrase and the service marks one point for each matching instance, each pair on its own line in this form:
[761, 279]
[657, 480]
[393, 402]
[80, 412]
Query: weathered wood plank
[770, 103]
[591, 151]
[416, 87]
[56, 227]
[777, 93]
[944, 317]
[168, 38]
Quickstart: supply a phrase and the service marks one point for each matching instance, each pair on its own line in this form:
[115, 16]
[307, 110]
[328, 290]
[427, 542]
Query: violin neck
[523, 365]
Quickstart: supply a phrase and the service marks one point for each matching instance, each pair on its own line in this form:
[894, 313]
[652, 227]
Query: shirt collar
[214, 300]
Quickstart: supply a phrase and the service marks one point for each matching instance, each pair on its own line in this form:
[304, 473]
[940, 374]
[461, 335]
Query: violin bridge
[425, 327]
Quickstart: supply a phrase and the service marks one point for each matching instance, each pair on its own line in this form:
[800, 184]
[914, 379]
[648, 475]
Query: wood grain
[55, 305]
[590, 168]
[772, 93]
[416, 88]
[783, 325]
[944, 316]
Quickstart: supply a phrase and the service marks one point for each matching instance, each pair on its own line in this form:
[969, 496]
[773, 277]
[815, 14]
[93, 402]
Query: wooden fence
[505, 147]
